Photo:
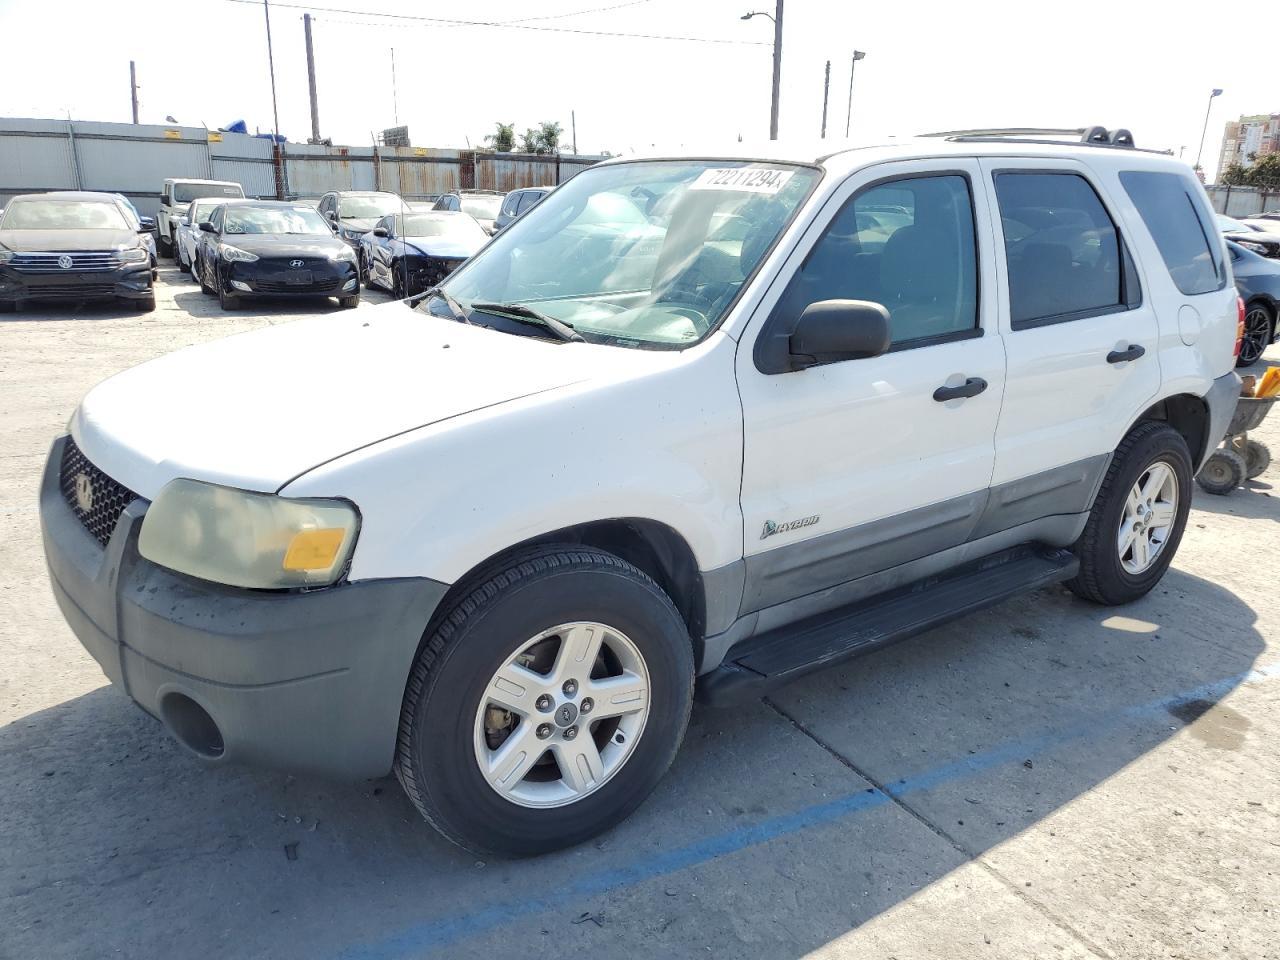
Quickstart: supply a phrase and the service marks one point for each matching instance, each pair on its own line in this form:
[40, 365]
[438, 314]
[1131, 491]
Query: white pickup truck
[694, 423]
[176, 197]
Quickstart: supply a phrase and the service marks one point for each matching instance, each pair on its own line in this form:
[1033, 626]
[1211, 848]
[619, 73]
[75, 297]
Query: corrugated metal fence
[1243, 201]
[39, 155]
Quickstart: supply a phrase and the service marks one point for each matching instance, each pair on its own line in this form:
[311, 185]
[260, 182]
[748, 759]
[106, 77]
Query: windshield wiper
[454, 306]
[525, 314]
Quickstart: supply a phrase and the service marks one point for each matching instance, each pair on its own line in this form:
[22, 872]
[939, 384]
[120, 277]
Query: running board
[777, 657]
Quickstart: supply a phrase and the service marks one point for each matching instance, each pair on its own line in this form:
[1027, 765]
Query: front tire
[1138, 517]
[499, 748]
[164, 246]
[198, 269]
[227, 301]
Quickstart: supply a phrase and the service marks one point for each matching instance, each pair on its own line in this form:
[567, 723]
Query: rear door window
[1171, 207]
[1065, 256]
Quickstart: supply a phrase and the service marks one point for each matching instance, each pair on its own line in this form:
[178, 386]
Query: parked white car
[188, 229]
[821, 401]
[176, 197]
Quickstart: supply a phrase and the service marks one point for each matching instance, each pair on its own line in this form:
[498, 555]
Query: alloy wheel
[1148, 518]
[1257, 334]
[562, 715]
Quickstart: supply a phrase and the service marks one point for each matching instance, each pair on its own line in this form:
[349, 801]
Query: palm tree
[529, 141]
[549, 136]
[503, 139]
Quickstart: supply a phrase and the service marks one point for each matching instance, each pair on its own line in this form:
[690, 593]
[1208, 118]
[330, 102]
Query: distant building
[1248, 138]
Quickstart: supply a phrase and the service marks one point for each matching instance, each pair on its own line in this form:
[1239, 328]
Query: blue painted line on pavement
[431, 935]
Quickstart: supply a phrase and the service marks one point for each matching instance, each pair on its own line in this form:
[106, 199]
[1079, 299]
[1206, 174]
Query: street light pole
[776, 17]
[826, 87]
[1216, 93]
[271, 65]
[848, 114]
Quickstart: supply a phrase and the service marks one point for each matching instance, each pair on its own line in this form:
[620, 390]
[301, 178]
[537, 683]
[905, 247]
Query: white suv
[176, 197]
[729, 418]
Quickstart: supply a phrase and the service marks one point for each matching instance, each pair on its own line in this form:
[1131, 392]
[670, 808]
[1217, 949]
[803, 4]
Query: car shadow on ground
[1255, 500]
[783, 825]
[63, 310]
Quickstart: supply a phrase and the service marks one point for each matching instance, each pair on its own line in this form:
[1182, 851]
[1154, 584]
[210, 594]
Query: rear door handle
[1132, 352]
[970, 388]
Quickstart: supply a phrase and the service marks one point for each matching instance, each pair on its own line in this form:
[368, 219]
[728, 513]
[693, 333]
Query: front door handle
[970, 388]
[1132, 352]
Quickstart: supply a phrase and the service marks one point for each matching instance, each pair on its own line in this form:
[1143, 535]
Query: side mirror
[332, 216]
[380, 232]
[832, 330]
[146, 224]
[206, 226]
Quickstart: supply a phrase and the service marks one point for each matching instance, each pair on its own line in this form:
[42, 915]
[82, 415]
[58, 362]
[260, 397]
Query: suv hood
[44, 241]
[259, 409]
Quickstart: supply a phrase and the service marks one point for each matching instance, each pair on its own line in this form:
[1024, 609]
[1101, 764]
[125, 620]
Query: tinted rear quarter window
[1170, 207]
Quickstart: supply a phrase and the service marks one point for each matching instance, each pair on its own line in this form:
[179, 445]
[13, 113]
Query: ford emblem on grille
[64, 262]
[295, 263]
[84, 492]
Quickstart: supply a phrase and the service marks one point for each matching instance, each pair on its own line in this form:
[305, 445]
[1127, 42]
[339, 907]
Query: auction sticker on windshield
[743, 179]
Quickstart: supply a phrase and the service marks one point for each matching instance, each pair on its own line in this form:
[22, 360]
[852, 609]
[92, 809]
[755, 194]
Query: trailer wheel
[1222, 472]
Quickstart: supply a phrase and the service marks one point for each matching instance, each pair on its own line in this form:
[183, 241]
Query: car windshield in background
[440, 225]
[639, 254]
[482, 208]
[202, 210]
[1227, 225]
[275, 220]
[186, 192]
[368, 207]
[63, 215]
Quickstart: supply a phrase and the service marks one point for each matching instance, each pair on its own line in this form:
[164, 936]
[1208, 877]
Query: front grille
[83, 483]
[274, 286]
[85, 261]
[52, 290]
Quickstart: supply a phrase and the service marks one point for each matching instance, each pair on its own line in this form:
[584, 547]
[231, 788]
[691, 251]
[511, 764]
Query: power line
[442, 21]
[578, 13]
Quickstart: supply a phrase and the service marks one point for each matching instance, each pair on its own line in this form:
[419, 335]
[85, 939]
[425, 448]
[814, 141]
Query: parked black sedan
[271, 248]
[1253, 239]
[1258, 283]
[410, 253]
[354, 212]
[72, 245]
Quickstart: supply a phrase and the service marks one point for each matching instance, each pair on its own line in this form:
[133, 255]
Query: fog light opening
[241, 285]
[192, 725]
[350, 284]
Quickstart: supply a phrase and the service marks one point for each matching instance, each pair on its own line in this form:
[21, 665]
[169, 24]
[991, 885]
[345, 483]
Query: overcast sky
[930, 65]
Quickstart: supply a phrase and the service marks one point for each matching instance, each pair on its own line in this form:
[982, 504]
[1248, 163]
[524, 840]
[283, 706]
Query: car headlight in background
[1255, 247]
[243, 539]
[343, 253]
[233, 254]
[6, 256]
[134, 255]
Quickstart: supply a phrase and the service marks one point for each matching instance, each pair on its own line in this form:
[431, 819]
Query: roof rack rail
[1095, 136]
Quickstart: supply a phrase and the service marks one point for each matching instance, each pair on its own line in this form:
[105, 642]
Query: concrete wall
[40, 155]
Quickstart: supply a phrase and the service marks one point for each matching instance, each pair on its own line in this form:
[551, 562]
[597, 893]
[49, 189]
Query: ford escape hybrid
[695, 423]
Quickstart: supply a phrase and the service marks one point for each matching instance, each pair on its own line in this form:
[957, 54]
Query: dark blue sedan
[1258, 283]
[411, 252]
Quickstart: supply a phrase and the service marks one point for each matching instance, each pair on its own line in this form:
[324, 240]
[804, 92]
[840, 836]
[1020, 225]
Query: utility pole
[311, 80]
[776, 17]
[395, 100]
[826, 89]
[271, 65]
[848, 114]
[573, 125]
[133, 89]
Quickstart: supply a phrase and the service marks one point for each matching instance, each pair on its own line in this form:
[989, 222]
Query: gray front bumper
[1221, 401]
[298, 681]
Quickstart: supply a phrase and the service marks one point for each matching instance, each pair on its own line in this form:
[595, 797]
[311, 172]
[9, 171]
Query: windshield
[63, 215]
[275, 220]
[639, 254]
[483, 207]
[1227, 225]
[439, 225]
[369, 208]
[186, 192]
[202, 209]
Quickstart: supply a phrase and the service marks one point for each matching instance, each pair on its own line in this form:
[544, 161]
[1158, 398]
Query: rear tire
[1257, 458]
[1223, 472]
[1112, 568]
[446, 717]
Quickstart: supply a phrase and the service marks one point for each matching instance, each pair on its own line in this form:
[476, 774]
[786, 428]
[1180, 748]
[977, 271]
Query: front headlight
[134, 255]
[232, 254]
[6, 256]
[245, 539]
[343, 253]
[1255, 247]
